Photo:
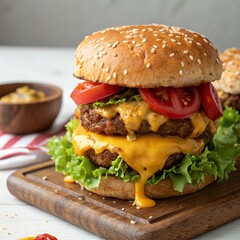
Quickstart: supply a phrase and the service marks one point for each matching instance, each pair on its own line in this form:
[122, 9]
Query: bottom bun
[115, 187]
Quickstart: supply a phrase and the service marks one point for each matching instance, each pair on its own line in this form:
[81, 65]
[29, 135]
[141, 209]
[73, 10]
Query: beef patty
[105, 158]
[228, 99]
[94, 122]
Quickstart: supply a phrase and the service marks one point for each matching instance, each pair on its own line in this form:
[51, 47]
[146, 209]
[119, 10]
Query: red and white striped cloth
[23, 150]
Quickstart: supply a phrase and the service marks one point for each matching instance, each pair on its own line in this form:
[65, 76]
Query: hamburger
[145, 121]
[228, 87]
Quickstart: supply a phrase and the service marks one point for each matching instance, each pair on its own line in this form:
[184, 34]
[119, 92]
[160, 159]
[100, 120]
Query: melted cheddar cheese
[133, 113]
[146, 155]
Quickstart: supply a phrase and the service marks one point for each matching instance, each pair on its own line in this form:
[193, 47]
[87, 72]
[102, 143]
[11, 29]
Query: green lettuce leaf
[217, 160]
[128, 95]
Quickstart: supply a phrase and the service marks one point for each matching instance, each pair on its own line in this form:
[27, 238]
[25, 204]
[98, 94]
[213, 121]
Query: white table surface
[17, 218]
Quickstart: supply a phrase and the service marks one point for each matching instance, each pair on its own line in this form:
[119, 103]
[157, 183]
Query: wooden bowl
[24, 118]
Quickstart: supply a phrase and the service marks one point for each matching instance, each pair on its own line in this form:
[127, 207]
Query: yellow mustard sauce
[23, 95]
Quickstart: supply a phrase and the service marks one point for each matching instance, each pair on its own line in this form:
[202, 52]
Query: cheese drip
[146, 155]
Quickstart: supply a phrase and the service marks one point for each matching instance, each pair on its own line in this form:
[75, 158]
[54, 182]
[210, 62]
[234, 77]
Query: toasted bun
[230, 80]
[147, 56]
[114, 187]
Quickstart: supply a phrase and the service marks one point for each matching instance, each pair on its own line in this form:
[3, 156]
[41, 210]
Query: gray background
[64, 23]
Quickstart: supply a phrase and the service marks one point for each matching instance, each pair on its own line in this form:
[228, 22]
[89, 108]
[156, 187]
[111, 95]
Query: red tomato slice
[172, 102]
[88, 92]
[210, 101]
[45, 236]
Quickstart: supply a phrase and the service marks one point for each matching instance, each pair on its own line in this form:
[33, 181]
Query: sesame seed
[148, 65]
[133, 222]
[115, 54]
[102, 38]
[172, 55]
[144, 30]
[102, 48]
[97, 45]
[138, 45]
[125, 41]
[170, 35]
[153, 50]
[114, 75]
[179, 43]
[81, 198]
[144, 40]
[158, 40]
[173, 40]
[93, 63]
[108, 44]
[150, 217]
[182, 64]
[108, 78]
[114, 45]
[96, 56]
[123, 209]
[129, 36]
[191, 57]
[86, 37]
[101, 64]
[199, 61]
[185, 52]
[205, 54]
[199, 44]
[162, 30]
[89, 57]
[125, 72]
[44, 178]
[107, 69]
[164, 46]
[130, 46]
[190, 42]
[181, 72]
[133, 42]
[237, 73]
[138, 207]
[205, 40]
[155, 46]
[155, 34]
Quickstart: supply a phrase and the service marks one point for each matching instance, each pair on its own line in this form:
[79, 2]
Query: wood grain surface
[182, 217]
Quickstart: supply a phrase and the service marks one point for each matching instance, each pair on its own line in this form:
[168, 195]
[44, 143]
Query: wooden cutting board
[182, 217]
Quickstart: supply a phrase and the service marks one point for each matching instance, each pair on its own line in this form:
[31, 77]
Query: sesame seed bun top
[230, 80]
[147, 56]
